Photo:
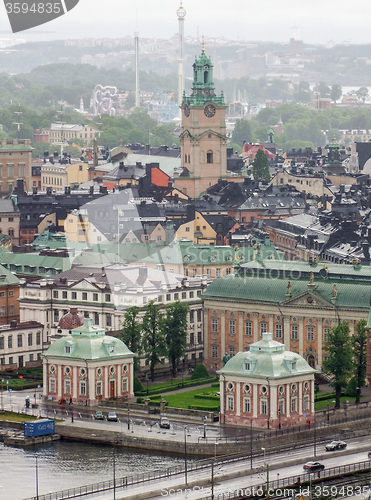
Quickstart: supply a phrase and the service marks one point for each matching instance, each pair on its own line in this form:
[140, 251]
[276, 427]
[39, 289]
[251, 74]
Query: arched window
[205, 76]
[209, 158]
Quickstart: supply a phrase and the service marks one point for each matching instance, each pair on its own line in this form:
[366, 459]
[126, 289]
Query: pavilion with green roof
[267, 386]
[87, 367]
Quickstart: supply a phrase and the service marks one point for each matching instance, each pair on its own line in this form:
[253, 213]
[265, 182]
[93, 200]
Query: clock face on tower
[209, 110]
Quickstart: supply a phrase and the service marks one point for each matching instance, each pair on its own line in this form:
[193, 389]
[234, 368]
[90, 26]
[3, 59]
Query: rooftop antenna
[18, 123]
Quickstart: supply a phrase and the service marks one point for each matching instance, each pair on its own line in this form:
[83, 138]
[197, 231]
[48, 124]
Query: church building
[203, 138]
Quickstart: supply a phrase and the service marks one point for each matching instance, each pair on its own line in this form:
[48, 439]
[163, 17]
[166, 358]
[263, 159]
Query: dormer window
[67, 349]
[111, 349]
[247, 366]
[293, 365]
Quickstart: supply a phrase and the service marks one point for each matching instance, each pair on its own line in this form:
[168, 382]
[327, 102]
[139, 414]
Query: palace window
[248, 328]
[230, 403]
[214, 351]
[214, 325]
[278, 331]
[263, 328]
[247, 405]
[232, 327]
[294, 332]
[263, 406]
[310, 332]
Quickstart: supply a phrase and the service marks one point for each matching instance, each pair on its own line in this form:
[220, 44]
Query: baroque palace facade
[295, 301]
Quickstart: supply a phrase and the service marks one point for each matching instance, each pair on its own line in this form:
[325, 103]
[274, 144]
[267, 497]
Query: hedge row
[176, 386]
[214, 409]
[325, 397]
[207, 396]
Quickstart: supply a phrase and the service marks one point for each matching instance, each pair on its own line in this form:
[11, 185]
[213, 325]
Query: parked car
[98, 415]
[112, 417]
[164, 423]
[336, 445]
[313, 467]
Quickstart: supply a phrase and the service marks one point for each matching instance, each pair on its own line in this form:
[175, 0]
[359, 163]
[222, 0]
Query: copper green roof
[88, 342]
[267, 358]
[7, 278]
[186, 252]
[34, 264]
[274, 290]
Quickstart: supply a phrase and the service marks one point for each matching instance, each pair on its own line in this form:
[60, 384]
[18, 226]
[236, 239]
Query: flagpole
[149, 142]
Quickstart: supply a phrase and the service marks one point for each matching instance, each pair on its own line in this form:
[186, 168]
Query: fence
[288, 486]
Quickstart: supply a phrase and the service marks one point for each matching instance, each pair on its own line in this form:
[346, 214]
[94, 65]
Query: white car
[112, 417]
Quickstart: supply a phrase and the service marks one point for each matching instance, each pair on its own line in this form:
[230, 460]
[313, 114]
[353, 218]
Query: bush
[214, 409]
[138, 386]
[174, 387]
[200, 372]
[207, 396]
[351, 389]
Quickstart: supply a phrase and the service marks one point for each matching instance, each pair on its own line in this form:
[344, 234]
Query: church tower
[203, 138]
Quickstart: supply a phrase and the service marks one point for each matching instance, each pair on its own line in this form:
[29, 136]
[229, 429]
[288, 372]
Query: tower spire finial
[203, 44]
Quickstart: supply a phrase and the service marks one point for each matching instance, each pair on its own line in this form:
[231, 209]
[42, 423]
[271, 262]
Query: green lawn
[186, 399]
[321, 405]
[15, 417]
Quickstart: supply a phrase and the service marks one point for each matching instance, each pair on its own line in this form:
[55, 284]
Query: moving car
[336, 445]
[164, 423]
[313, 467]
[98, 415]
[112, 417]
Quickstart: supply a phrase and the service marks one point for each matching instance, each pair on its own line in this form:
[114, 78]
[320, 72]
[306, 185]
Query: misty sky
[319, 21]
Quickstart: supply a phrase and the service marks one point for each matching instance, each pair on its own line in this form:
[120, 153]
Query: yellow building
[77, 173]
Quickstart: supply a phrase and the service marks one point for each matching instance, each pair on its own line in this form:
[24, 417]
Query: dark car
[98, 415]
[313, 467]
[336, 445]
[164, 423]
[112, 417]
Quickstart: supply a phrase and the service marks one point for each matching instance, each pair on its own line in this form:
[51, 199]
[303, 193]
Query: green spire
[203, 84]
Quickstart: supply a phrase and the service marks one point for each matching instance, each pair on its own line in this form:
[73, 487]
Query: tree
[153, 342]
[359, 344]
[242, 132]
[336, 92]
[175, 332]
[362, 94]
[131, 332]
[261, 166]
[200, 372]
[339, 363]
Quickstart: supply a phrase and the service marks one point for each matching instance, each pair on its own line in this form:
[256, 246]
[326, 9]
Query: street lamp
[37, 482]
[250, 443]
[266, 464]
[128, 419]
[205, 427]
[358, 394]
[328, 412]
[185, 455]
[114, 474]
[269, 402]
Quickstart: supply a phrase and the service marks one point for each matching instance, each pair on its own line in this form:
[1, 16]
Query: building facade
[267, 387]
[21, 345]
[88, 367]
[203, 138]
[105, 293]
[298, 302]
[15, 163]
